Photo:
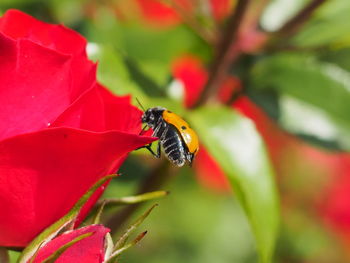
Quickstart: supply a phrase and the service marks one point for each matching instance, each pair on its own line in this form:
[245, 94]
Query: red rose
[159, 14]
[90, 249]
[60, 131]
[190, 70]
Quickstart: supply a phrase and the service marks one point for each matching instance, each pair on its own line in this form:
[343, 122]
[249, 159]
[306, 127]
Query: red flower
[60, 131]
[91, 249]
[190, 70]
[209, 173]
[156, 13]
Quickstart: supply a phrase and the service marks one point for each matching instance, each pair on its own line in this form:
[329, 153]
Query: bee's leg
[158, 154]
[143, 130]
[155, 132]
[190, 158]
[149, 148]
[158, 150]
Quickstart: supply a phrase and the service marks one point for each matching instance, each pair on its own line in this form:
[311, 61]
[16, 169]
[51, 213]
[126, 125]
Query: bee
[178, 140]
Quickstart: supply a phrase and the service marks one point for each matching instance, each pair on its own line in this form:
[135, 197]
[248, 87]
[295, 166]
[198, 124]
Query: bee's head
[152, 116]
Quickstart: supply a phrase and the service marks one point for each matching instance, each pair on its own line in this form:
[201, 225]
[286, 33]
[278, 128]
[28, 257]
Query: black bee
[179, 141]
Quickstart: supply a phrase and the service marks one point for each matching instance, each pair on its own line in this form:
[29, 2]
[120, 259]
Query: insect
[178, 140]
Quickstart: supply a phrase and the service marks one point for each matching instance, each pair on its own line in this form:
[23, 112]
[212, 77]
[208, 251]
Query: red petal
[209, 172]
[86, 113]
[119, 113]
[44, 173]
[157, 13]
[99, 110]
[17, 24]
[191, 72]
[35, 81]
[87, 250]
[229, 87]
[220, 8]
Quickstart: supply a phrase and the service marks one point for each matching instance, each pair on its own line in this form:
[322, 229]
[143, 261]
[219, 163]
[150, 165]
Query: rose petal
[190, 70]
[209, 173]
[16, 24]
[155, 12]
[99, 110]
[36, 82]
[119, 113]
[44, 173]
[86, 113]
[87, 250]
[220, 8]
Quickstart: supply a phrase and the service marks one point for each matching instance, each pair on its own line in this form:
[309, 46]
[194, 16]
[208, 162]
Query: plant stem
[299, 19]
[156, 178]
[4, 255]
[225, 54]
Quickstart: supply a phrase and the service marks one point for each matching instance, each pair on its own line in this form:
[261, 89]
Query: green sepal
[50, 232]
[118, 252]
[122, 240]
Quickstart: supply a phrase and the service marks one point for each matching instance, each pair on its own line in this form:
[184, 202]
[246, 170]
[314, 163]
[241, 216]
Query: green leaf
[315, 126]
[146, 83]
[50, 232]
[236, 145]
[139, 41]
[340, 57]
[112, 71]
[320, 86]
[147, 50]
[123, 75]
[53, 257]
[330, 25]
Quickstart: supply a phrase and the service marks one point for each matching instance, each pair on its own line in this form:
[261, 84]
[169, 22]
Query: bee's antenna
[140, 104]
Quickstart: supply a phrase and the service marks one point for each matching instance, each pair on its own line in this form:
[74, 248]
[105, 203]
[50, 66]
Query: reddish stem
[225, 53]
[297, 21]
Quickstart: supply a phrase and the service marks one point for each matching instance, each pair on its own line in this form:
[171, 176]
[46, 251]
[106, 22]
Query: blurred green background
[279, 130]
